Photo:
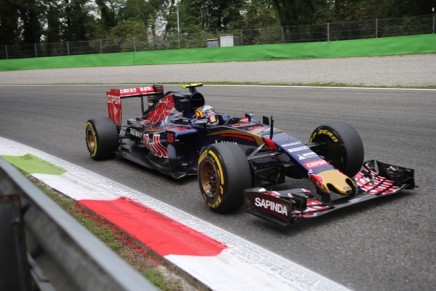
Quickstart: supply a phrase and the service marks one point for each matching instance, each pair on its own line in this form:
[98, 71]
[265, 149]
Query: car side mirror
[265, 120]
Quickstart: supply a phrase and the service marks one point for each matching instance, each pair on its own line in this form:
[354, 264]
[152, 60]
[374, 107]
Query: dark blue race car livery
[239, 160]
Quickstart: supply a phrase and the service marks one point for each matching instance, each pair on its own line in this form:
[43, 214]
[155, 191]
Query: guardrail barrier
[43, 248]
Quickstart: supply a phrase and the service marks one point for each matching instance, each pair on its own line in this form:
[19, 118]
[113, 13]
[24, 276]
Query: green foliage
[79, 23]
[128, 28]
[30, 14]
[33, 21]
[9, 27]
[127, 36]
[211, 15]
[259, 14]
[107, 13]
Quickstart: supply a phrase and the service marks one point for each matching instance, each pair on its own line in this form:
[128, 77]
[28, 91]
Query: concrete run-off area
[391, 71]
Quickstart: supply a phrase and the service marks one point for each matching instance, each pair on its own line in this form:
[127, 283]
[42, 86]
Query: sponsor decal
[271, 206]
[170, 137]
[223, 141]
[297, 149]
[291, 144]
[152, 142]
[127, 91]
[328, 133]
[315, 164]
[113, 99]
[137, 90]
[135, 132]
[199, 121]
[215, 204]
[306, 156]
[114, 108]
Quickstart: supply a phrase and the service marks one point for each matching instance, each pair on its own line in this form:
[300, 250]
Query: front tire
[223, 174]
[341, 145]
[101, 135]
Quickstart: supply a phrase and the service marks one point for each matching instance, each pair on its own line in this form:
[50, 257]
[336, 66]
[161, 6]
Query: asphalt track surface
[386, 244]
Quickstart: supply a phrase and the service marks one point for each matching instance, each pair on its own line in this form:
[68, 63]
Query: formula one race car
[236, 158]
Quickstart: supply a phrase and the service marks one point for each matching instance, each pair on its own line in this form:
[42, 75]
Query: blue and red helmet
[207, 112]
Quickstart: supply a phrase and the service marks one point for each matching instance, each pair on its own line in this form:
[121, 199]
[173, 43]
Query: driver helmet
[207, 112]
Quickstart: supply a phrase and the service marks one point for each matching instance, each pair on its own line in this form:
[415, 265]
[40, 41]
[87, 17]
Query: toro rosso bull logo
[152, 142]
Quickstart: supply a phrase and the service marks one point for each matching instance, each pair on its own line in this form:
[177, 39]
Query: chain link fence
[375, 28]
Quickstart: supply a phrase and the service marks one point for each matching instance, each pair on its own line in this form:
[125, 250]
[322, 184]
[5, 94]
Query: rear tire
[343, 147]
[223, 174]
[101, 137]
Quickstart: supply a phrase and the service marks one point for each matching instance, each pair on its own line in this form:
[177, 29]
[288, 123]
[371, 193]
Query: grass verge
[399, 45]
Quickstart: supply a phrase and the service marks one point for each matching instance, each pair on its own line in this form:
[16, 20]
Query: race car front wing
[376, 179]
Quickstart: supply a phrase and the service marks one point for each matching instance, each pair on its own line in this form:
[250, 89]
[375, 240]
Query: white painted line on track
[234, 85]
[241, 266]
[322, 87]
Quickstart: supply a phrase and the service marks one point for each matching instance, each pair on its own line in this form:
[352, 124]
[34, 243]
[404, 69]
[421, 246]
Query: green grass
[414, 44]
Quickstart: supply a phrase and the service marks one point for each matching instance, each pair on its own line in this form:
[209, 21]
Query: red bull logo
[152, 142]
[317, 179]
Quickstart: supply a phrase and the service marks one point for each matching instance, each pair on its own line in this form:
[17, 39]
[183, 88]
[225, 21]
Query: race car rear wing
[114, 96]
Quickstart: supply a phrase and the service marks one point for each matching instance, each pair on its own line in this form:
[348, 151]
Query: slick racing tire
[342, 146]
[223, 174]
[101, 137]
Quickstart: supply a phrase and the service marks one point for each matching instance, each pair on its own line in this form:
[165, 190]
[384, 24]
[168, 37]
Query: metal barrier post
[15, 273]
[376, 28]
[432, 10]
[282, 30]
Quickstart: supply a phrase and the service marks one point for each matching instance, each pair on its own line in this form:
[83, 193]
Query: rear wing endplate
[114, 97]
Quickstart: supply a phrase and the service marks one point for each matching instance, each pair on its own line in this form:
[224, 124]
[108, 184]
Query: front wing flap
[376, 179]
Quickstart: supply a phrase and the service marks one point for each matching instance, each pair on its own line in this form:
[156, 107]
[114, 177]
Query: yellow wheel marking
[219, 166]
[202, 156]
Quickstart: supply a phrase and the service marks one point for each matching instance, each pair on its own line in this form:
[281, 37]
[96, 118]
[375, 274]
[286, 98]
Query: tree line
[36, 21]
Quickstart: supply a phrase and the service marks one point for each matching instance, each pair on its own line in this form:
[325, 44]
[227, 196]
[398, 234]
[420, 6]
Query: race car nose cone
[333, 180]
